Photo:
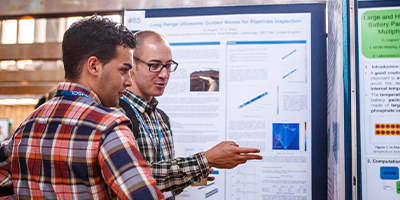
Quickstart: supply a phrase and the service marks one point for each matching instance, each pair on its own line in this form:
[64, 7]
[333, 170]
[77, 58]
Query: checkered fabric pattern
[71, 147]
[171, 174]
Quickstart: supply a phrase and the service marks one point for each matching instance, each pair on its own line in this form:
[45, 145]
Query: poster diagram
[289, 73]
[252, 100]
[289, 54]
[204, 80]
[384, 130]
[387, 129]
[261, 101]
[243, 182]
[383, 178]
[285, 136]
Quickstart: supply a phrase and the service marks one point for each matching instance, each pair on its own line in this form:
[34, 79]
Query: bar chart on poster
[379, 72]
[245, 75]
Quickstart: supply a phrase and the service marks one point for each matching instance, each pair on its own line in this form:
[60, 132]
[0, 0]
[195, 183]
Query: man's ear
[93, 65]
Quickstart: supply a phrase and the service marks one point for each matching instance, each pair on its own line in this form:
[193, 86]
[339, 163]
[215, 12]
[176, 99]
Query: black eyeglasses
[157, 67]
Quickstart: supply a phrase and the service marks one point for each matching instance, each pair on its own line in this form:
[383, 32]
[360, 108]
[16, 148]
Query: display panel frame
[363, 4]
[318, 72]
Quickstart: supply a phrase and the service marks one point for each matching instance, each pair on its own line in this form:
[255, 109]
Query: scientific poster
[336, 173]
[4, 129]
[379, 75]
[245, 78]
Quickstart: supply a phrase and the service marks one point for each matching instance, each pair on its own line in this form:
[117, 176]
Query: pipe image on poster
[206, 80]
[242, 77]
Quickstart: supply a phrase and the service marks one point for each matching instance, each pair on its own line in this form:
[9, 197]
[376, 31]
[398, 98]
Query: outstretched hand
[227, 155]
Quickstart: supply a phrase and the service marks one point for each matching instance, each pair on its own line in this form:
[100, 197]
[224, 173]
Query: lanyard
[147, 130]
[72, 93]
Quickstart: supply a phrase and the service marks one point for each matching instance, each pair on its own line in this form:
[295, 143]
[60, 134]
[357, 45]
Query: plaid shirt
[171, 174]
[73, 148]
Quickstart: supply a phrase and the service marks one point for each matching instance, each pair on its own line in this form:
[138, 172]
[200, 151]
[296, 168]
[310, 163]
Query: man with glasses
[150, 73]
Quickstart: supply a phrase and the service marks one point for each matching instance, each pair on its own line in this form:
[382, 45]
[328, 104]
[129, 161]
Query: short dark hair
[94, 36]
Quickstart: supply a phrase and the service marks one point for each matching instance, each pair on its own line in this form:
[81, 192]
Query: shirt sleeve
[176, 174]
[123, 167]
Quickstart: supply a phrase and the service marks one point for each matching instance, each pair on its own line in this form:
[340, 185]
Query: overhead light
[26, 30]
[9, 32]
[24, 101]
[6, 63]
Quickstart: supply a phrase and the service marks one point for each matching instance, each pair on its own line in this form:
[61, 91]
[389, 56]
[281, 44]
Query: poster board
[5, 125]
[378, 88]
[337, 64]
[255, 75]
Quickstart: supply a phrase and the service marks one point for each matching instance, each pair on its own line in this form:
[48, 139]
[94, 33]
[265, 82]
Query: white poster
[245, 78]
[336, 173]
[4, 129]
[379, 80]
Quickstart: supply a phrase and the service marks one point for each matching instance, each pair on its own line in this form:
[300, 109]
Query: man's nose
[128, 81]
[164, 73]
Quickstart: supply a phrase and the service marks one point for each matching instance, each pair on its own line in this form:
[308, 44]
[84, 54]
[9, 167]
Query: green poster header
[380, 34]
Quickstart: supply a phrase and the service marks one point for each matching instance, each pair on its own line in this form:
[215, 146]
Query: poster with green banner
[380, 33]
[379, 98]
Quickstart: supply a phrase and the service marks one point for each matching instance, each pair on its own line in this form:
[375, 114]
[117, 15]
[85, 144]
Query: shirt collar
[78, 87]
[141, 104]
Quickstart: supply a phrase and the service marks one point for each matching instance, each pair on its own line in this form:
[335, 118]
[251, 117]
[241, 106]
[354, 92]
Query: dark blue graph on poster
[285, 136]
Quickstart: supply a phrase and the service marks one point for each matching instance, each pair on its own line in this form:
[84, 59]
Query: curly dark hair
[94, 36]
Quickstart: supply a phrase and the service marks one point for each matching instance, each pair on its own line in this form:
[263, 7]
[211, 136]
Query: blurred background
[31, 32]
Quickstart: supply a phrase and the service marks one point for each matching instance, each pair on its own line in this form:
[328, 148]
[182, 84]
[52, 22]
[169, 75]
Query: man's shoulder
[75, 112]
[163, 114]
[112, 116]
[115, 113]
